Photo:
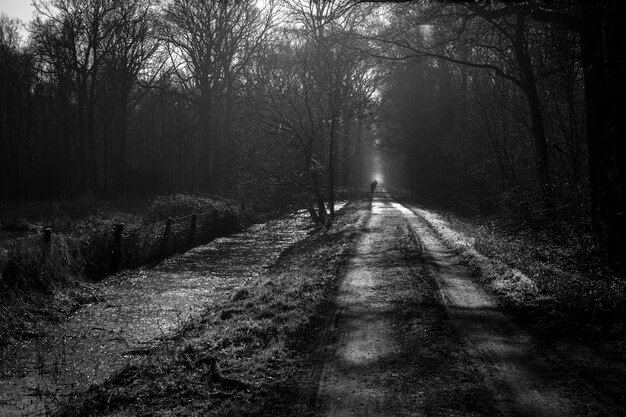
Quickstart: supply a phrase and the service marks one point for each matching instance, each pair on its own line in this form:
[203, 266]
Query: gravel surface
[415, 335]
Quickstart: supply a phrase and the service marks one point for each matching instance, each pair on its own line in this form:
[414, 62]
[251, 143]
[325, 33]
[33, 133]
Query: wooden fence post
[134, 256]
[206, 231]
[116, 251]
[192, 229]
[166, 236]
[47, 240]
[214, 218]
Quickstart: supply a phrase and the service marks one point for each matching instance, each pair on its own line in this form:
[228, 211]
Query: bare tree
[9, 31]
[602, 48]
[331, 69]
[210, 43]
[493, 37]
[72, 39]
[133, 46]
[15, 83]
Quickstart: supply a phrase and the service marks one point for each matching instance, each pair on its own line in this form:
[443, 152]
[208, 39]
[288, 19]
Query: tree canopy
[503, 107]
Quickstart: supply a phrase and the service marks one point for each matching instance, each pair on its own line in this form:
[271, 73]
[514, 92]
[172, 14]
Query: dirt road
[410, 333]
[414, 335]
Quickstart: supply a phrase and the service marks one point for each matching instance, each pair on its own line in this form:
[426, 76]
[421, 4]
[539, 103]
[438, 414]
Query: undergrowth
[236, 359]
[178, 205]
[81, 244]
[556, 284]
[555, 272]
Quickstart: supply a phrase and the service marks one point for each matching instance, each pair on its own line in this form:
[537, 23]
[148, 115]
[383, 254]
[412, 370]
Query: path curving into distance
[401, 349]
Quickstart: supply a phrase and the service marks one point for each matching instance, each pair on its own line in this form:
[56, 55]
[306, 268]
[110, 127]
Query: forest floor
[381, 313]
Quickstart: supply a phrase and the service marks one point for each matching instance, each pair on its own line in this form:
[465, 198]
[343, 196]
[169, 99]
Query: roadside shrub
[4, 258]
[85, 247]
[350, 193]
[27, 264]
[178, 205]
[586, 296]
[96, 250]
[17, 224]
[562, 262]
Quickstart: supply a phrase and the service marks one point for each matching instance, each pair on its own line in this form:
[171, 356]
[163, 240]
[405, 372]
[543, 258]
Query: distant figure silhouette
[373, 186]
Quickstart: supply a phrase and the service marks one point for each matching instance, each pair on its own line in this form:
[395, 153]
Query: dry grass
[565, 275]
[33, 273]
[554, 272]
[554, 283]
[238, 357]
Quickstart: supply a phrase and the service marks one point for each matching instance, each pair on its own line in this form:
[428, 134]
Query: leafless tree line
[110, 96]
[512, 106]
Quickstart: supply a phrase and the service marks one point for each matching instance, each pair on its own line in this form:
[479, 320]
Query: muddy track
[415, 335]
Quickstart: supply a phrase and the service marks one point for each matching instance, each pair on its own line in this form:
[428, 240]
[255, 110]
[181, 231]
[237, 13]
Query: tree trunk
[604, 64]
[90, 138]
[536, 116]
[207, 163]
[228, 150]
[83, 173]
[331, 169]
[119, 165]
[317, 194]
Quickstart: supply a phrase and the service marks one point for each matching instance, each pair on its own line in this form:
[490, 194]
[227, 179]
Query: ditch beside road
[135, 311]
[370, 316]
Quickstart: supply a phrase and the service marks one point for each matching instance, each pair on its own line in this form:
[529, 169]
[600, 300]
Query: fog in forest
[284, 207]
[492, 107]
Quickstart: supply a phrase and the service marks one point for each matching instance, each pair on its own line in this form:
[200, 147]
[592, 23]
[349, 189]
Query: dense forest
[510, 107]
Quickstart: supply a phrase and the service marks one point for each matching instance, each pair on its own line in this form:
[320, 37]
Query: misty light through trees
[489, 107]
[313, 207]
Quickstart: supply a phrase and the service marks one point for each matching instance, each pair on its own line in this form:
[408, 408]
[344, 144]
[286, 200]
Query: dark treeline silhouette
[510, 107]
[116, 96]
[121, 95]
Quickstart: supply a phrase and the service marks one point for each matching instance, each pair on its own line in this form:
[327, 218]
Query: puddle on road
[139, 307]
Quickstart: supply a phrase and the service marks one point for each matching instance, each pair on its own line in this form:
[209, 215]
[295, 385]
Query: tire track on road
[530, 383]
[395, 352]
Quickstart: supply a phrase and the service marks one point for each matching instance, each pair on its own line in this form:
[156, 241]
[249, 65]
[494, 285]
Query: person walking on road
[373, 186]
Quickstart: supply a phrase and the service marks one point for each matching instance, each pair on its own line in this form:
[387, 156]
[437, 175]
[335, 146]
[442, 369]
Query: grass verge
[241, 355]
[534, 272]
[575, 305]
